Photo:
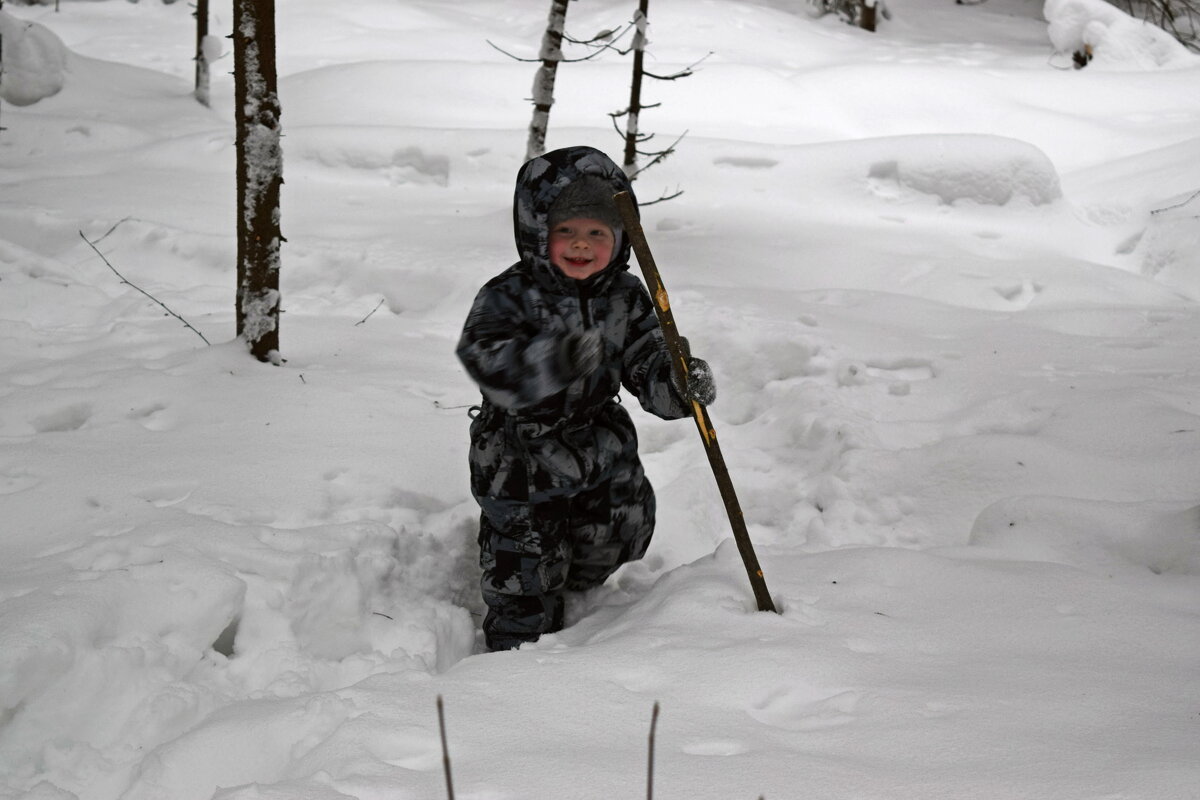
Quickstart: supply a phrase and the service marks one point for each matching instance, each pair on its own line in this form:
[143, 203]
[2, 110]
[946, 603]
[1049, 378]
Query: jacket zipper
[583, 306]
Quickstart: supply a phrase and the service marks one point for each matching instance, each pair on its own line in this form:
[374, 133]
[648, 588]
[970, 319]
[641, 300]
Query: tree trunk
[259, 177]
[866, 15]
[1, 58]
[202, 74]
[635, 88]
[543, 82]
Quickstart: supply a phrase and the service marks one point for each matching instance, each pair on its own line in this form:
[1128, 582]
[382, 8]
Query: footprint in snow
[152, 417]
[746, 162]
[714, 747]
[64, 419]
[805, 708]
[166, 494]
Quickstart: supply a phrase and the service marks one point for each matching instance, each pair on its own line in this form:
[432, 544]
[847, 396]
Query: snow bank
[35, 61]
[1170, 247]
[158, 632]
[991, 170]
[1114, 38]
[1096, 536]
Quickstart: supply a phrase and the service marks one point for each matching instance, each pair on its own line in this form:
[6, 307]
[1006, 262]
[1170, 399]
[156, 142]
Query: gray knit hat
[589, 196]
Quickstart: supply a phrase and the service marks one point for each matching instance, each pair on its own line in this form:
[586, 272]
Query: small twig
[368, 316]
[445, 749]
[1180, 204]
[650, 773]
[125, 281]
[438, 405]
[608, 37]
[659, 156]
[683, 73]
[540, 60]
[665, 197]
[113, 228]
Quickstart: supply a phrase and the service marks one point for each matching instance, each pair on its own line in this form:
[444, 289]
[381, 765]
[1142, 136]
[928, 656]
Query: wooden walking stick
[666, 320]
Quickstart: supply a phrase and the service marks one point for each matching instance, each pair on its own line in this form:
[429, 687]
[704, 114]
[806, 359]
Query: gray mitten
[701, 386]
[581, 352]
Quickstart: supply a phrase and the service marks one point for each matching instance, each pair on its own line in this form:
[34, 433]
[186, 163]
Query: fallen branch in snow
[109, 232]
[127, 282]
[1180, 204]
[368, 316]
[445, 749]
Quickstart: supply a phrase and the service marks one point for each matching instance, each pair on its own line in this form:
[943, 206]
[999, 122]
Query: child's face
[580, 247]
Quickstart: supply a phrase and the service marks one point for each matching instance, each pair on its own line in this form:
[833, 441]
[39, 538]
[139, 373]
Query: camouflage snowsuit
[553, 458]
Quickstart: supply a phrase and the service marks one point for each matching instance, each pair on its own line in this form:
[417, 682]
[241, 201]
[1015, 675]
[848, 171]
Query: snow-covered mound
[1170, 248]
[35, 61]
[991, 170]
[1113, 38]
[1095, 536]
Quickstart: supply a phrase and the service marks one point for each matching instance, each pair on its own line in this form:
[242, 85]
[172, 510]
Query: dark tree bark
[1, 55]
[543, 82]
[259, 177]
[866, 15]
[202, 73]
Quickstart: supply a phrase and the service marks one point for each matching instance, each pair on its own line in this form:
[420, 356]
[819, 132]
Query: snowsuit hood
[540, 181]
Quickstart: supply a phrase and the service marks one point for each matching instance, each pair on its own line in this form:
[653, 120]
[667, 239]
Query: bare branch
[609, 38]
[510, 55]
[650, 768]
[113, 228]
[659, 156]
[664, 198]
[445, 749]
[683, 73]
[1180, 204]
[373, 310]
[125, 281]
[588, 57]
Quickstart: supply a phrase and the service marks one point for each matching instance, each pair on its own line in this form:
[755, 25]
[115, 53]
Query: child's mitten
[701, 386]
[581, 351]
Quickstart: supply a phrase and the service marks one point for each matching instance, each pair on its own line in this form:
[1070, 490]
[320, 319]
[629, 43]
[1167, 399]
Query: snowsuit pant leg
[611, 524]
[571, 542]
[525, 562]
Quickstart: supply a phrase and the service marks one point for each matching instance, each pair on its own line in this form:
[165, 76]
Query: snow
[949, 293]
[1113, 37]
[34, 61]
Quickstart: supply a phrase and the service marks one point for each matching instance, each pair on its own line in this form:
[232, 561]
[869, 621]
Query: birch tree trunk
[202, 72]
[640, 22]
[543, 81]
[259, 177]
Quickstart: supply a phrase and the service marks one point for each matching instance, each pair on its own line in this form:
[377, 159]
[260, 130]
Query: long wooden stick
[666, 320]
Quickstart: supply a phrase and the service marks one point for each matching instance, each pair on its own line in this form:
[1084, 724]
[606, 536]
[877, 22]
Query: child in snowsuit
[550, 341]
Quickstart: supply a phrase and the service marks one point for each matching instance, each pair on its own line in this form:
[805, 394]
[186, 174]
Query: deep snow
[949, 289]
